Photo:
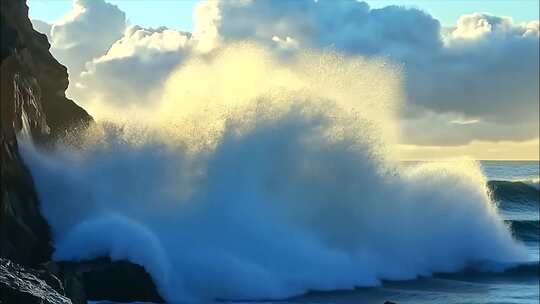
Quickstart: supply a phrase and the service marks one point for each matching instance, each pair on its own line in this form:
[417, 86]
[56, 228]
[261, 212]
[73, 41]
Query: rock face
[118, 281]
[33, 104]
[29, 286]
[32, 101]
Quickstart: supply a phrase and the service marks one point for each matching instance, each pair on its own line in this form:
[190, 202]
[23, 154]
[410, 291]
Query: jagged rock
[71, 282]
[119, 281]
[33, 104]
[19, 285]
[32, 101]
[26, 52]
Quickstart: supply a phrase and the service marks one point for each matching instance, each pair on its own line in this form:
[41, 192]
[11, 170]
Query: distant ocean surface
[514, 187]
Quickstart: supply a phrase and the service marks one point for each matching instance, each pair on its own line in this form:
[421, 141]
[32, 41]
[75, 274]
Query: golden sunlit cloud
[485, 150]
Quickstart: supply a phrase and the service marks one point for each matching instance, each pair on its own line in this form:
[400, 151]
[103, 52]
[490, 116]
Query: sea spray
[255, 176]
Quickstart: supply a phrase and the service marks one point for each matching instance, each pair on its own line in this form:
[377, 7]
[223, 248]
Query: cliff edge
[33, 101]
[33, 104]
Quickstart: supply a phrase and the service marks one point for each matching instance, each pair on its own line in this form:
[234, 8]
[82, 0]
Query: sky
[178, 13]
[470, 68]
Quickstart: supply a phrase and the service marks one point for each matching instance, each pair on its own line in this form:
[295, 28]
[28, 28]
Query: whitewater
[254, 174]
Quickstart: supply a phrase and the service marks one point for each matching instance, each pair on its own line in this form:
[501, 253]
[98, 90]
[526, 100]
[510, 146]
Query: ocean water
[514, 188]
[280, 181]
[518, 202]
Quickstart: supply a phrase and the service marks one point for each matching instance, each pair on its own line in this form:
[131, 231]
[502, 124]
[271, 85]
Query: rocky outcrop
[20, 285]
[33, 105]
[119, 281]
[33, 102]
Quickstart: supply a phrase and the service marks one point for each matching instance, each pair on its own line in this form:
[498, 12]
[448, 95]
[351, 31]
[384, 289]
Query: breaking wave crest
[273, 178]
[525, 230]
[522, 192]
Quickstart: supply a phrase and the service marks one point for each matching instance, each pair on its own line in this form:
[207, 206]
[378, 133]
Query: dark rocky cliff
[32, 101]
[28, 286]
[33, 104]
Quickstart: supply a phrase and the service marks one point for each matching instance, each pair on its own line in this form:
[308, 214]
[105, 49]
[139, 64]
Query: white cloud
[349, 26]
[488, 68]
[464, 121]
[145, 43]
[485, 68]
[86, 32]
[474, 26]
[435, 129]
[134, 66]
[206, 18]
[42, 27]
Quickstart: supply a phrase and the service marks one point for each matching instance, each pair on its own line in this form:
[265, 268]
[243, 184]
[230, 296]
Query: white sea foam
[264, 177]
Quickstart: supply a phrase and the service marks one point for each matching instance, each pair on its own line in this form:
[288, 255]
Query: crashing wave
[264, 177]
